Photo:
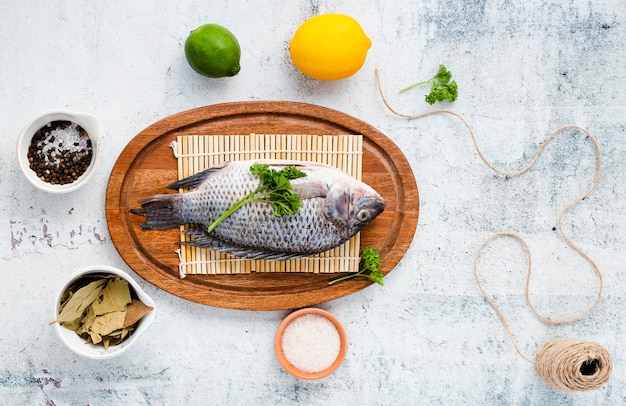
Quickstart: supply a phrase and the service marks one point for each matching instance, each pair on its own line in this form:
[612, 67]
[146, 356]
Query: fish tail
[161, 211]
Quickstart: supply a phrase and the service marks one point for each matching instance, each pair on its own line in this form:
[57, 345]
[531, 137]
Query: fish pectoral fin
[203, 239]
[194, 180]
[310, 190]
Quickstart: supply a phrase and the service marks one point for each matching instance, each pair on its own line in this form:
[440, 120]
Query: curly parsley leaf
[443, 75]
[441, 87]
[274, 188]
[369, 267]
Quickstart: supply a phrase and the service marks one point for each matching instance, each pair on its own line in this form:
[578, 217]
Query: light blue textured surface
[427, 337]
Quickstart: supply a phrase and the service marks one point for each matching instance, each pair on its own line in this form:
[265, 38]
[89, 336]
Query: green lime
[213, 51]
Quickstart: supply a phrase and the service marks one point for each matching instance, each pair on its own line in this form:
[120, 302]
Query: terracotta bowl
[288, 366]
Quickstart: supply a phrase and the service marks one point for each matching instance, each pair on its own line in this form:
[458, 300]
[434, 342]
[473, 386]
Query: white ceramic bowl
[90, 123]
[96, 351]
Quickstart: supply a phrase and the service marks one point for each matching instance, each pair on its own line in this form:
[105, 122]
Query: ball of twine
[569, 365]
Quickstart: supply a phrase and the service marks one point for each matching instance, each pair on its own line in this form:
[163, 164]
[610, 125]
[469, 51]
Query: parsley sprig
[369, 268]
[441, 88]
[274, 188]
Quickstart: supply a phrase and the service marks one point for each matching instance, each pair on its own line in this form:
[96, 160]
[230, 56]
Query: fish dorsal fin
[310, 190]
[194, 180]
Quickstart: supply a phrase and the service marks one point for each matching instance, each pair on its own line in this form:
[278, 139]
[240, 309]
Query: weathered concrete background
[427, 337]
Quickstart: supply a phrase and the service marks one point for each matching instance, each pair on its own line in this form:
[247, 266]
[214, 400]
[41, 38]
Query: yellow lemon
[329, 47]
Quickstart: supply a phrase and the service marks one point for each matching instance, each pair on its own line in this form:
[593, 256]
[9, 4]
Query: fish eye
[363, 216]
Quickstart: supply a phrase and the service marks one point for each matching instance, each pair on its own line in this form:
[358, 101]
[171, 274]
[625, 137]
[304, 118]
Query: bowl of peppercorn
[58, 150]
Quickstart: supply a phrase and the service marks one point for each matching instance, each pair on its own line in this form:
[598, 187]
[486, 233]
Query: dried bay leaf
[115, 334]
[93, 337]
[66, 298]
[120, 334]
[115, 340]
[79, 301]
[134, 312]
[72, 325]
[113, 298]
[125, 332]
[108, 323]
[103, 311]
[87, 321]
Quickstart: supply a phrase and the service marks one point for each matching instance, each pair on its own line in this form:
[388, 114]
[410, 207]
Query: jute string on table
[565, 364]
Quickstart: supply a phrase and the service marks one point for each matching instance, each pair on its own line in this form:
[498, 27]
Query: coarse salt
[60, 141]
[311, 343]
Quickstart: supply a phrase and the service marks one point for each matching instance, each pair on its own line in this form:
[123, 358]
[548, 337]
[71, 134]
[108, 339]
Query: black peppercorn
[60, 152]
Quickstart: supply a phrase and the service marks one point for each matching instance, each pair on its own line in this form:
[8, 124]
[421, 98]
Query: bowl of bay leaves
[101, 312]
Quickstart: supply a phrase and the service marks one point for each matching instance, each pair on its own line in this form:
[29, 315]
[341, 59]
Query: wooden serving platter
[147, 164]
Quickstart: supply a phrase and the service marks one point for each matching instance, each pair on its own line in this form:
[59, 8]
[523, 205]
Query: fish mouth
[373, 203]
[378, 205]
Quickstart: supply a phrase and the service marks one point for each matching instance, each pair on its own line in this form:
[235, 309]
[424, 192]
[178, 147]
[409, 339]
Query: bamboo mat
[198, 152]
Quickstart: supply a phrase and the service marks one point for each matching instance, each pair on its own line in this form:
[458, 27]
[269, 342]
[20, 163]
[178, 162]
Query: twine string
[490, 300]
[562, 211]
[569, 365]
[564, 364]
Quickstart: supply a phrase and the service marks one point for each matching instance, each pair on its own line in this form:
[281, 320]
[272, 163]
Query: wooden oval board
[147, 164]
